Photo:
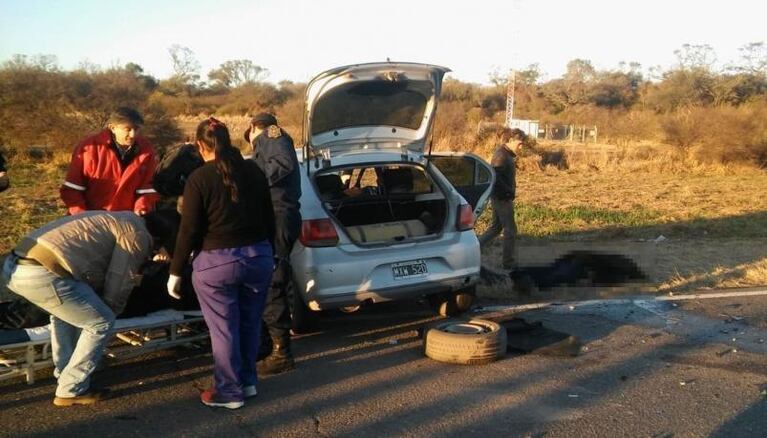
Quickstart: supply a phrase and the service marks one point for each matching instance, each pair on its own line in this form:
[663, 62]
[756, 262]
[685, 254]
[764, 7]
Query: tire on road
[466, 342]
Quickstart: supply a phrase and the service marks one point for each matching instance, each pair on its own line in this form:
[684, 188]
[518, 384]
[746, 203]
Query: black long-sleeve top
[209, 218]
[503, 162]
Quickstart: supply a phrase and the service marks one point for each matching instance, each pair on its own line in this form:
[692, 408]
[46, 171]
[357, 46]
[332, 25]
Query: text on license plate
[413, 268]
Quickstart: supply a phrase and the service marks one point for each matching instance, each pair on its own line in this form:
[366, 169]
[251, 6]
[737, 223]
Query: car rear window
[386, 179]
[372, 103]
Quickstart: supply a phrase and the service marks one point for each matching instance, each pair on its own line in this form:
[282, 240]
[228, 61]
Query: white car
[384, 218]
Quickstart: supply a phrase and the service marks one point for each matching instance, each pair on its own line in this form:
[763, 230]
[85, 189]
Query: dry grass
[33, 198]
[711, 216]
[236, 124]
[603, 197]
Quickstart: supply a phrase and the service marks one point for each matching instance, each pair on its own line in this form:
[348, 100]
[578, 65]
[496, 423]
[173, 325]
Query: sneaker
[87, 398]
[249, 391]
[210, 398]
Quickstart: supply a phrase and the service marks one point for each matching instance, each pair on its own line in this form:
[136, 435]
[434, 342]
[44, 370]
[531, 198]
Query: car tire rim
[465, 328]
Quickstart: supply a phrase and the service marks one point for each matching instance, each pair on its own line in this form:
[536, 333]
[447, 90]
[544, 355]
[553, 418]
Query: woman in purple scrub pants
[227, 227]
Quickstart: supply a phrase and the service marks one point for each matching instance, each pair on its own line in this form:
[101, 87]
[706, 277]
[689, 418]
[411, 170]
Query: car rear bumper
[332, 277]
[322, 302]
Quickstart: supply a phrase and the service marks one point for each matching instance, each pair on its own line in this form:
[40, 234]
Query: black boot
[279, 361]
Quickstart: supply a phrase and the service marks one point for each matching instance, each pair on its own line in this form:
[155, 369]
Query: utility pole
[511, 84]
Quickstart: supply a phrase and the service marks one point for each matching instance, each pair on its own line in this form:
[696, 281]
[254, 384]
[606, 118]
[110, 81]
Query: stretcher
[24, 351]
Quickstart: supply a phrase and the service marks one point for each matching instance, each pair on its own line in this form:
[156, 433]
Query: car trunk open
[384, 203]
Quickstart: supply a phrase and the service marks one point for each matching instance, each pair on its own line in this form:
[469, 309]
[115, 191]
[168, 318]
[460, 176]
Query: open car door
[472, 176]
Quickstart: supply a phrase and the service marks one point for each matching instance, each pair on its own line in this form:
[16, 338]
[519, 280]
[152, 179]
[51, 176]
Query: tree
[754, 59]
[572, 89]
[33, 102]
[696, 57]
[238, 72]
[252, 98]
[185, 66]
[37, 62]
[683, 88]
[150, 83]
[185, 77]
[94, 95]
[616, 89]
[529, 75]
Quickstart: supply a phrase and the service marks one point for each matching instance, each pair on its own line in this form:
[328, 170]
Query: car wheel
[445, 306]
[466, 342]
[465, 298]
[453, 304]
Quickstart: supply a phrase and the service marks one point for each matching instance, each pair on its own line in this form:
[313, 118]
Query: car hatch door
[471, 176]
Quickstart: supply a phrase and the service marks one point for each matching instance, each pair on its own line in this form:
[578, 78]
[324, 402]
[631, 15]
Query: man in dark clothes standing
[274, 153]
[504, 192]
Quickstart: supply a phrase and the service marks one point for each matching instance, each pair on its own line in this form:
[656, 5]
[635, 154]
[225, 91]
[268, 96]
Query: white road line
[617, 301]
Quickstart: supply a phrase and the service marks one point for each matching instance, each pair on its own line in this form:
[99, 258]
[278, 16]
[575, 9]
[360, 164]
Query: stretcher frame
[25, 358]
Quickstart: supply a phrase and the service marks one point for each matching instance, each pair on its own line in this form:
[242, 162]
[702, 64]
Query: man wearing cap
[274, 153]
[112, 170]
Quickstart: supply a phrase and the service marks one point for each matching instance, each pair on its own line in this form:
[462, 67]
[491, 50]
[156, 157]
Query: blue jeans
[231, 285]
[81, 323]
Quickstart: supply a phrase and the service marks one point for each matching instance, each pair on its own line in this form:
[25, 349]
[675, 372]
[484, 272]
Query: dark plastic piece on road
[526, 337]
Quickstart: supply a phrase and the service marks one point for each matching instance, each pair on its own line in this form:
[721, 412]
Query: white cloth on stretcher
[43, 333]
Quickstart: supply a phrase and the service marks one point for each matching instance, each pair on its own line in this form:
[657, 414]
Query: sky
[297, 39]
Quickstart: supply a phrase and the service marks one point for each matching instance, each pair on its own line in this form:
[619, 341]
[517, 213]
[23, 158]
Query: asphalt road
[648, 368]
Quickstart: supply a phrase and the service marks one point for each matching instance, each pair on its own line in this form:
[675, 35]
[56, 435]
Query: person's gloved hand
[174, 286]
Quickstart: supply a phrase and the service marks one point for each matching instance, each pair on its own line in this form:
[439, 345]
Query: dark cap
[263, 119]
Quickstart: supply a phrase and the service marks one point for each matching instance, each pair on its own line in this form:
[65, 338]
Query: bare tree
[238, 72]
[754, 58]
[185, 66]
[696, 56]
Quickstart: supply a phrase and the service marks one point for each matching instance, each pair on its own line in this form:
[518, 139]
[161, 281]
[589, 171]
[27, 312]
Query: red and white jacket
[95, 180]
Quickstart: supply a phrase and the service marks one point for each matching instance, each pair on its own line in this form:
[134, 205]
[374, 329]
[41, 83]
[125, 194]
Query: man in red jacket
[112, 170]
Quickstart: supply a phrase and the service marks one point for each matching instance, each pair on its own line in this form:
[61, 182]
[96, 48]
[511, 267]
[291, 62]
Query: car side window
[460, 172]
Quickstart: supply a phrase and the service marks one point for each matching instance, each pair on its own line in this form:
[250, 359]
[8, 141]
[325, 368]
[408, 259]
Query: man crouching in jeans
[81, 269]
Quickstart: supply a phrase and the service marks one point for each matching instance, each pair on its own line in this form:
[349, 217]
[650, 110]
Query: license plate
[410, 269]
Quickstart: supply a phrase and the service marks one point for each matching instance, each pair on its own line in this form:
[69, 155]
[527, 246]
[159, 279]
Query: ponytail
[215, 136]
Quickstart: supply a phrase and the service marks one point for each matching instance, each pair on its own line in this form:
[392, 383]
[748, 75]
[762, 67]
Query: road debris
[726, 352]
[533, 337]
[731, 318]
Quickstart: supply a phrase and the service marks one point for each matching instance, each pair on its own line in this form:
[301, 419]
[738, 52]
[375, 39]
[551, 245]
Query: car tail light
[465, 217]
[318, 232]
